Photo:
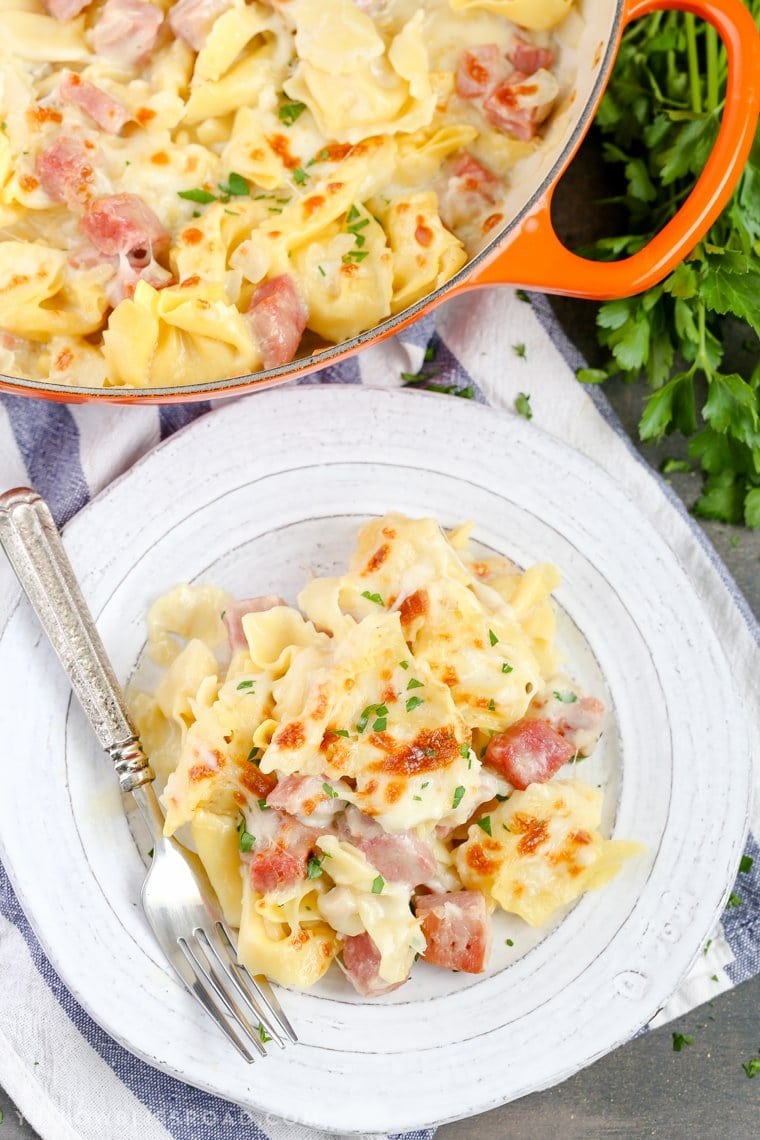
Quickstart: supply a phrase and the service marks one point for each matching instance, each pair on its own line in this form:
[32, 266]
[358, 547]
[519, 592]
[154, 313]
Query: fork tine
[253, 1001]
[189, 977]
[259, 992]
[222, 990]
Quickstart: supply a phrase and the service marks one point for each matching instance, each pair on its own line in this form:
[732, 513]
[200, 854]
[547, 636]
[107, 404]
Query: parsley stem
[695, 89]
[711, 39]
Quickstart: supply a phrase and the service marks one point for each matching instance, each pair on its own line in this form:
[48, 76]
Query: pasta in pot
[200, 190]
[367, 777]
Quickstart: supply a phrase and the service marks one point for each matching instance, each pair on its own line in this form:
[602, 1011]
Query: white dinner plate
[254, 496]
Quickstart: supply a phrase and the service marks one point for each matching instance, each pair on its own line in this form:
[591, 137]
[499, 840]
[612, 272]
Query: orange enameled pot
[527, 252]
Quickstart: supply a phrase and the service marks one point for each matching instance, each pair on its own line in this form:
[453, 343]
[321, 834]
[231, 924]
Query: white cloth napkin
[50, 1050]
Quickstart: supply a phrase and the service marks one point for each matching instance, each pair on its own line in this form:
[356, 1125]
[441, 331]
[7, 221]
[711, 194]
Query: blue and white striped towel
[50, 1049]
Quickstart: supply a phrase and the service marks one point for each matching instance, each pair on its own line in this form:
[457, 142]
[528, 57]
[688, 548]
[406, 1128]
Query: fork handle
[31, 541]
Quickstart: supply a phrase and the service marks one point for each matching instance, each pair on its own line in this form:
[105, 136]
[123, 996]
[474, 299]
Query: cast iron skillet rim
[337, 352]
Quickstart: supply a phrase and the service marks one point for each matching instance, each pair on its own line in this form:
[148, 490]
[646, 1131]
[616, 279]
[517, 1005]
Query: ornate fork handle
[31, 541]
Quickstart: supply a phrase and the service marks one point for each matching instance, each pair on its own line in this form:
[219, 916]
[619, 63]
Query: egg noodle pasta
[203, 189]
[367, 776]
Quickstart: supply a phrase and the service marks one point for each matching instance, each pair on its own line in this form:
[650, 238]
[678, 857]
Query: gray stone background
[644, 1088]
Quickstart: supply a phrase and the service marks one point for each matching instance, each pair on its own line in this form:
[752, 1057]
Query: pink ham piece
[279, 863]
[277, 316]
[473, 178]
[236, 611]
[192, 20]
[479, 70]
[576, 717]
[361, 962]
[66, 173]
[126, 31]
[527, 57]
[66, 9]
[307, 798]
[109, 114]
[122, 223]
[528, 752]
[456, 928]
[400, 858]
[519, 105]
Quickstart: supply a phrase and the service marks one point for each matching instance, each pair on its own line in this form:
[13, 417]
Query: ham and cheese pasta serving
[368, 776]
[203, 189]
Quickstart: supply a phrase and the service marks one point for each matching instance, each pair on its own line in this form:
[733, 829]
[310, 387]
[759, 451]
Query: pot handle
[537, 259]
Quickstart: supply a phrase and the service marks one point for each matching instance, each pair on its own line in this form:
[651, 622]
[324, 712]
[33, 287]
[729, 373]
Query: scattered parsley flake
[380, 724]
[352, 214]
[522, 296]
[330, 791]
[506, 828]
[263, 1035]
[502, 799]
[713, 977]
[373, 598]
[708, 944]
[337, 732]
[510, 942]
[733, 900]
[246, 685]
[198, 194]
[404, 664]
[746, 864]
[245, 839]
[429, 353]
[492, 637]
[464, 751]
[300, 176]
[566, 698]
[321, 270]
[377, 885]
[506, 668]
[236, 186]
[414, 703]
[423, 786]
[519, 350]
[485, 824]
[355, 255]
[289, 113]
[150, 853]
[417, 798]
[415, 684]
[263, 805]
[752, 1067]
[522, 406]
[314, 868]
[681, 1039]
[492, 705]
[458, 794]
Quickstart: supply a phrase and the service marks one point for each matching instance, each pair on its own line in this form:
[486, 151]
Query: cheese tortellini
[204, 189]
[401, 734]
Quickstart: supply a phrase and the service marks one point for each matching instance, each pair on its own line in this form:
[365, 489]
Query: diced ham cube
[280, 858]
[361, 962]
[103, 109]
[236, 611]
[122, 223]
[66, 9]
[456, 928]
[520, 104]
[65, 171]
[277, 316]
[479, 70]
[575, 716]
[470, 176]
[307, 798]
[126, 31]
[528, 752]
[400, 858]
[192, 20]
[527, 57]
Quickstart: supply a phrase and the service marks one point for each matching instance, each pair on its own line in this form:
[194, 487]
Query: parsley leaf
[746, 864]
[377, 885]
[485, 824]
[565, 698]
[245, 839]
[289, 113]
[492, 637]
[197, 195]
[733, 900]
[415, 684]
[506, 668]
[752, 1067]
[263, 1035]
[681, 1039]
[458, 794]
[414, 703]
[314, 868]
[330, 791]
[236, 186]
[373, 598]
[522, 406]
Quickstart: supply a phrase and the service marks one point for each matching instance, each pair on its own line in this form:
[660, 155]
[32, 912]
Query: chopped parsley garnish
[373, 598]
[519, 350]
[300, 176]
[708, 944]
[380, 724]
[522, 296]
[378, 710]
[485, 824]
[566, 698]
[263, 1035]
[246, 685]
[254, 755]
[507, 828]
[355, 255]
[510, 942]
[733, 900]
[429, 353]
[414, 703]
[198, 194]
[245, 839]
[492, 705]
[321, 270]
[522, 406]
[425, 785]
[330, 791]
[502, 799]
[377, 885]
[289, 113]
[263, 805]
[464, 751]
[458, 794]
[337, 732]
[417, 797]
[415, 684]
[236, 186]
[352, 215]
[314, 867]
[681, 1039]
[150, 853]
[746, 864]
[752, 1067]
[506, 668]
[404, 664]
[492, 637]
[321, 157]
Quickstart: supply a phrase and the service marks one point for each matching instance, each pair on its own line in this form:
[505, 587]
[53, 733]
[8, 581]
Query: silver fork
[178, 899]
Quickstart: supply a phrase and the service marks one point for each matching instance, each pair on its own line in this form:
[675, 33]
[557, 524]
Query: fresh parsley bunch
[659, 118]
